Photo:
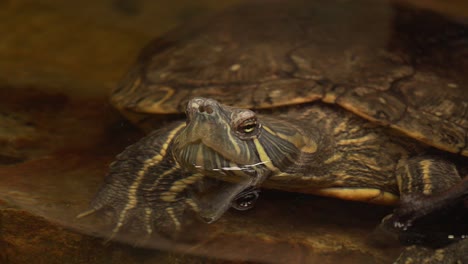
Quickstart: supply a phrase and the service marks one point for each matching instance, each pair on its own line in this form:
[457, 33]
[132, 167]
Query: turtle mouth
[199, 157]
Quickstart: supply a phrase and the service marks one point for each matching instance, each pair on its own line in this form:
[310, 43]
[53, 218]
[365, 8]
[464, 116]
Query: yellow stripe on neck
[264, 158]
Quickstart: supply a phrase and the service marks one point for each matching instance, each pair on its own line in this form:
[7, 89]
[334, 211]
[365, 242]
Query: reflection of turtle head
[223, 138]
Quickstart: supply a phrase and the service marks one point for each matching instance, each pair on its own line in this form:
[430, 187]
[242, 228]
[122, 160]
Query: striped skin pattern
[199, 166]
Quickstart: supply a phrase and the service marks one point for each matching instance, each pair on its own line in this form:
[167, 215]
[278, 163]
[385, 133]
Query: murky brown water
[58, 62]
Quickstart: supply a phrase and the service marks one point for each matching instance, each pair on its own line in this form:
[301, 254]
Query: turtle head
[220, 138]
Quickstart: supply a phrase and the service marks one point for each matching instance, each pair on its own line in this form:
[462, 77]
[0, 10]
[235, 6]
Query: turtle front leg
[146, 190]
[426, 185]
[141, 186]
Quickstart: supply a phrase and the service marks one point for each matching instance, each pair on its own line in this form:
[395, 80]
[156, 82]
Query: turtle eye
[248, 126]
[245, 124]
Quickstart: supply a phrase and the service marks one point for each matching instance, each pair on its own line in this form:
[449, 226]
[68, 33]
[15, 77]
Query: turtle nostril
[209, 109]
[205, 109]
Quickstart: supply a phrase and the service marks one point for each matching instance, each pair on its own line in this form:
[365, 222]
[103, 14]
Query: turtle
[369, 105]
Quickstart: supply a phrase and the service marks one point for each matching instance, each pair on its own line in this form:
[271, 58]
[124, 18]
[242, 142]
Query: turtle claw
[401, 220]
[409, 226]
[392, 223]
[412, 208]
[140, 221]
[86, 213]
[393, 229]
[402, 226]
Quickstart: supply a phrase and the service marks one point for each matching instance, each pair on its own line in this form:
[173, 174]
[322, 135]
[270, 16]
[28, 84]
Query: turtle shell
[400, 67]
